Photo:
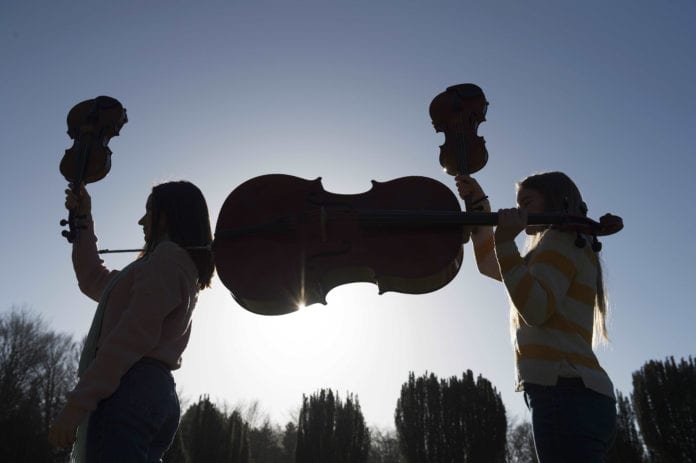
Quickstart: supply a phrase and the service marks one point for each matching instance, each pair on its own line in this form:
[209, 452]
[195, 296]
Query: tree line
[457, 419]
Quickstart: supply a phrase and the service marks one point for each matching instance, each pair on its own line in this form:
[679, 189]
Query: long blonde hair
[561, 195]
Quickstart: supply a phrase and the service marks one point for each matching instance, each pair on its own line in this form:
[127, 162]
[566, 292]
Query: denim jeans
[571, 423]
[136, 423]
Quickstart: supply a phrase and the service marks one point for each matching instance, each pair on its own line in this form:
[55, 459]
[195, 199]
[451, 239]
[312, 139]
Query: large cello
[283, 242]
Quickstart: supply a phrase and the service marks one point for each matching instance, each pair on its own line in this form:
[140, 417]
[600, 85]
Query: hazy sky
[221, 92]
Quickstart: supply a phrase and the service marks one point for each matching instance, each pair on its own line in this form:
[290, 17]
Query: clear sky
[220, 92]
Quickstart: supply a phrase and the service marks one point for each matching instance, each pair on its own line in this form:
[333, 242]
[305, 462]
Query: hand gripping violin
[91, 124]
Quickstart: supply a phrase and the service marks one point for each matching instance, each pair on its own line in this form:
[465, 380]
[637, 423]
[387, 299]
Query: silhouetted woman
[125, 402]
[558, 313]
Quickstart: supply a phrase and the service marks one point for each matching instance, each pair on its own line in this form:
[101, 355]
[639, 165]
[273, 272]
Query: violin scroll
[457, 112]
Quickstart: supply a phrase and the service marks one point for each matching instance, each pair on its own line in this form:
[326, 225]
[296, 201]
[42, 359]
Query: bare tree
[37, 369]
[520, 443]
[384, 447]
[58, 369]
[22, 350]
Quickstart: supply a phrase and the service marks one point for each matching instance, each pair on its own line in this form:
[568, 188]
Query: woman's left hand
[63, 430]
[510, 223]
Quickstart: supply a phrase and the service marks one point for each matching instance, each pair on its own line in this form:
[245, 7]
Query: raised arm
[92, 275]
[482, 236]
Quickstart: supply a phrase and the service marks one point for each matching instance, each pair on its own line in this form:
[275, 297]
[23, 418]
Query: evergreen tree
[627, 445]
[236, 439]
[455, 420]
[289, 443]
[331, 431]
[664, 400]
[265, 444]
[210, 436]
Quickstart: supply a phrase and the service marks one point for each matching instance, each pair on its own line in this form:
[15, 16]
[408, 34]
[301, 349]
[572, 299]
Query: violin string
[461, 159]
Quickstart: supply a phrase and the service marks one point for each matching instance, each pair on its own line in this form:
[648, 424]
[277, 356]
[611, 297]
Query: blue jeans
[137, 423]
[571, 423]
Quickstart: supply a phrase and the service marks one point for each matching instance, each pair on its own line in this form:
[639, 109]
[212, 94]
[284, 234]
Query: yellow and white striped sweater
[554, 293]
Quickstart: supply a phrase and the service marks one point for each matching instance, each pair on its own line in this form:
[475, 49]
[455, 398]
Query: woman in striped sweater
[558, 313]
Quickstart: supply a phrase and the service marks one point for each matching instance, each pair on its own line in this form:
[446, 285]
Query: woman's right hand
[469, 189]
[82, 204]
[510, 223]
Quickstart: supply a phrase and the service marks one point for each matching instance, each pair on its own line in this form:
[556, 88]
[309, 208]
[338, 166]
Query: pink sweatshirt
[147, 314]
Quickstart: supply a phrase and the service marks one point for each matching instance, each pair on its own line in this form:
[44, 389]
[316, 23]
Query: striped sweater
[553, 293]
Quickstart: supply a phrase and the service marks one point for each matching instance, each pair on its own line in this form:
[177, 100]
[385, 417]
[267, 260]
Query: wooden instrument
[91, 124]
[457, 112]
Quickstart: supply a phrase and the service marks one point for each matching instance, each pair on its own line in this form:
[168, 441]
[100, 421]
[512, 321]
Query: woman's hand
[82, 204]
[63, 430]
[510, 223]
[469, 189]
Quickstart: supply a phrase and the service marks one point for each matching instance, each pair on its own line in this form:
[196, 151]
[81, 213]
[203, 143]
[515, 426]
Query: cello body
[286, 242]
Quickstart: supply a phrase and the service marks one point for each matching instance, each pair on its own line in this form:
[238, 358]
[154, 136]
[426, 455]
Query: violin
[458, 112]
[91, 124]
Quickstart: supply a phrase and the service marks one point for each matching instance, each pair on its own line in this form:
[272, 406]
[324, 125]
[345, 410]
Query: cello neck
[429, 218]
[608, 224]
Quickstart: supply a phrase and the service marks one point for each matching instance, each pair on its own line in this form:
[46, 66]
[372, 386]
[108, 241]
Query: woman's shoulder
[565, 243]
[170, 253]
[560, 236]
[166, 247]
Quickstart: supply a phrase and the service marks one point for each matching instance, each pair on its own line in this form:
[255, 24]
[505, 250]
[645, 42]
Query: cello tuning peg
[580, 241]
[596, 245]
[63, 222]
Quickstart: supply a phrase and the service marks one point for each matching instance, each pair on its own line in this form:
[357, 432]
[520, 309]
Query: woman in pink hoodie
[125, 401]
